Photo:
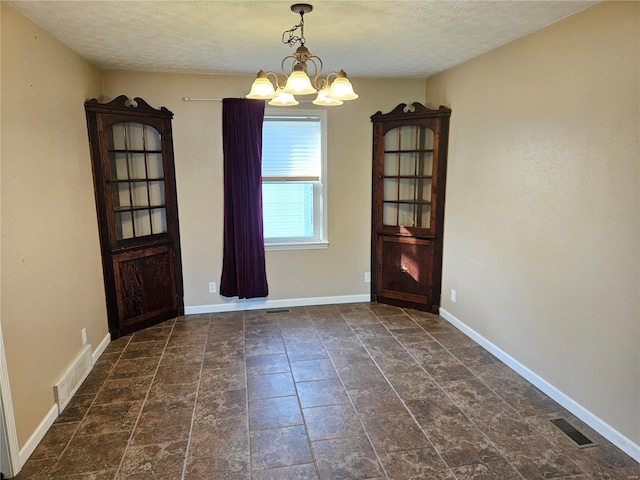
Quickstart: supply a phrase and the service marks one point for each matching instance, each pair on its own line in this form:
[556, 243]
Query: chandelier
[302, 73]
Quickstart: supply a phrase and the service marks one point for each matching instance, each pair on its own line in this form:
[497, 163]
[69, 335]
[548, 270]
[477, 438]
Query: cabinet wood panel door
[407, 218]
[136, 202]
[406, 269]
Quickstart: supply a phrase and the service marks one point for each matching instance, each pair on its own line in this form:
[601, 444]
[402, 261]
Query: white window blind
[291, 148]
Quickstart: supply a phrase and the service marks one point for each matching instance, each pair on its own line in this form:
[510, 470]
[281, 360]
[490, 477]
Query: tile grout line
[295, 386]
[396, 392]
[476, 377]
[195, 404]
[428, 437]
[246, 394]
[471, 420]
[339, 377]
[436, 382]
[426, 434]
[133, 430]
[280, 396]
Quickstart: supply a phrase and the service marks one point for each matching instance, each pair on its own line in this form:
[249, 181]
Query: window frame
[320, 240]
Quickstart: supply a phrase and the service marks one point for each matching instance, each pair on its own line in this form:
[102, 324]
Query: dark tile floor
[355, 391]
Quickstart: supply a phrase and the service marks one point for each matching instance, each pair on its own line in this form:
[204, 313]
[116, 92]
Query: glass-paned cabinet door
[407, 177]
[136, 177]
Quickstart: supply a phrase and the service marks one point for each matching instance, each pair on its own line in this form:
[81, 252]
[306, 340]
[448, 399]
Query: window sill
[297, 246]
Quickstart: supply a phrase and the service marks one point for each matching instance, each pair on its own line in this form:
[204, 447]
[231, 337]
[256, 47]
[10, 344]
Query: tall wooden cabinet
[408, 188]
[136, 201]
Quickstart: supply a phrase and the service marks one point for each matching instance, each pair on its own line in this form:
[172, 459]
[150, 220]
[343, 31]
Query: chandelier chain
[294, 39]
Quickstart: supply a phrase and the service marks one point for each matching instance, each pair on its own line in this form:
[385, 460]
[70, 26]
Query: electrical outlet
[367, 277]
[84, 336]
[212, 287]
[453, 295]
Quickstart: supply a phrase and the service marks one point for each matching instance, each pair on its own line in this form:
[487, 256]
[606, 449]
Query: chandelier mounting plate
[301, 8]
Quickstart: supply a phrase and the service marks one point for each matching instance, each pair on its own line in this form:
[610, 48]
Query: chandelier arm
[317, 70]
[282, 65]
[276, 80]
[326, 79]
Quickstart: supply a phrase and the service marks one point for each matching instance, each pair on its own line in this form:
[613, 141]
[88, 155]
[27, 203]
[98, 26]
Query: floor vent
[279, 310]
[573, 433]
[67, 386]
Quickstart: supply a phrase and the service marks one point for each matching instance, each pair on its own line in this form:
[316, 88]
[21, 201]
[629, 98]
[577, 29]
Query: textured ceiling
[366, 38]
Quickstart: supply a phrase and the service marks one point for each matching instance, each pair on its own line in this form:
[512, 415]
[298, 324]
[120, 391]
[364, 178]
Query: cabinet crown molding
[122, 104]
[415, 108]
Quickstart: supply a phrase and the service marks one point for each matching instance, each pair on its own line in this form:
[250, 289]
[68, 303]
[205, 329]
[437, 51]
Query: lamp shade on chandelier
[302, 74]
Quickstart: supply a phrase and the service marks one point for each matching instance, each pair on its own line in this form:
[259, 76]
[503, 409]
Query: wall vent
[581, 440]
[68, 385]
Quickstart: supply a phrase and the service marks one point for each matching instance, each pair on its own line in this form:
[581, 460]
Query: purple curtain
[243, 264]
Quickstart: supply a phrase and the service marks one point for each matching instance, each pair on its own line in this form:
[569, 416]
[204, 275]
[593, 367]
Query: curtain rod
[189, 99]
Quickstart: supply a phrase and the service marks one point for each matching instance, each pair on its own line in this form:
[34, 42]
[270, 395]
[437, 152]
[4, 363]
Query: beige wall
[51, 273]
[542, 213]
[336, 271]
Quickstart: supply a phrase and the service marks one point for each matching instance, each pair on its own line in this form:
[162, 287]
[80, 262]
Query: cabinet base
[404, 304]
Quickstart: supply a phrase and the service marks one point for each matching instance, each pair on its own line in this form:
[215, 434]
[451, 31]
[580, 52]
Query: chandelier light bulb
[324, 100]
[341, 88]
[299, 83]
[283, 99]
[262, 88]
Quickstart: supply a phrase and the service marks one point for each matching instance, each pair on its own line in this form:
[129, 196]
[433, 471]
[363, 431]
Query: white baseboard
[37, 435]
[258, 303]
[603, 428]
[101, 348]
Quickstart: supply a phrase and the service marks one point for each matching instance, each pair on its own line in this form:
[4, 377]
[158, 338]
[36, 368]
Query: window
[294, 179]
